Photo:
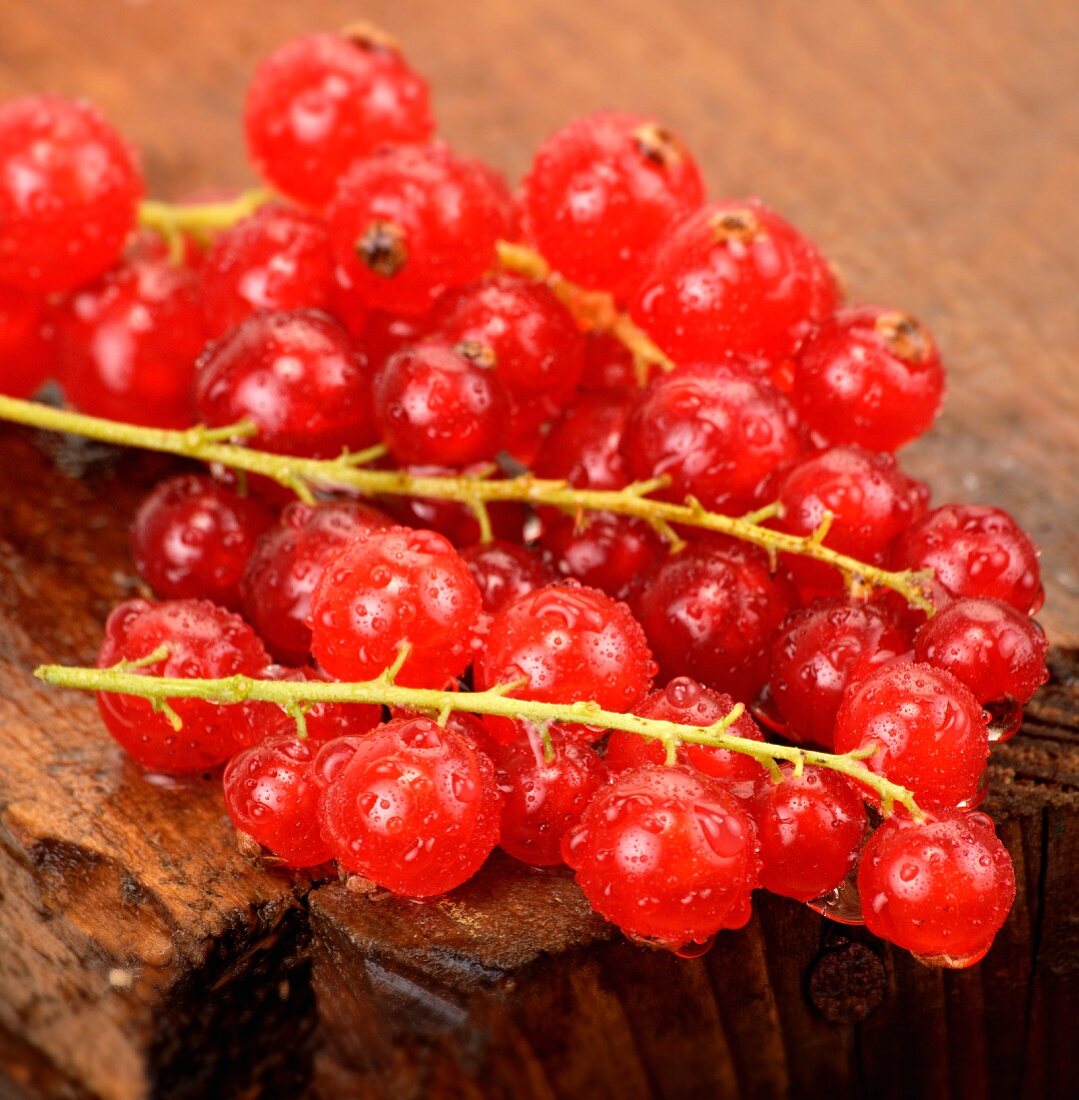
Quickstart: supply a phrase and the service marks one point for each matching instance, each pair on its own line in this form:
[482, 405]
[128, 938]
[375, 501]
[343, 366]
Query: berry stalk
[296, 697]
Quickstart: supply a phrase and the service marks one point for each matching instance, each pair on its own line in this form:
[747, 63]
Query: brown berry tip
[735, 225]
[657, 144]
[382, 249]
[483, 355]
[369, 37]
[904, 337]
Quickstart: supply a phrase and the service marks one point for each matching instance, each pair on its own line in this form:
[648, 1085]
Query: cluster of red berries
[365, 306]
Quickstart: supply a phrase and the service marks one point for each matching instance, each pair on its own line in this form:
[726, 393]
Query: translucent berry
[666, 854]
[600, 549]
[415, 810]
[929, 730]
[271, 796]
[602, 191]
[286, 565]
[392, 586]
[583, 445]
[811, 828]
[25, 350]
[733, 279]
[320, 101]
[203, 641]
[998, 652]
[710, 612]
[941, 888]
[608, 364]
[974, 550]
[504, 571]
[871, 377]
[69, 193]
[192, 538]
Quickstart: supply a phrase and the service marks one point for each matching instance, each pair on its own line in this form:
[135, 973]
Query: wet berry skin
[286, 564]
[583, 444]
[602, 191]
[415, 809]
[733, 279]
[25, 349]
[974, 550]
[272, 797]
[710, 612]
[396, 585]
[666, 854]
[940, 888]
[931, 732]
[192, 538]
[69, 193]
[871, 377]
[321, 101]
[998, 652]
[608, 364]
[204, 641]
[810, 829]
[504, 571]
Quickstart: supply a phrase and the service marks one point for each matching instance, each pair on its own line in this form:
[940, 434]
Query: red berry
[602, 191]
[396, 585]
[601, 549]
[717, 432]
[25, 350]
[689, 704]
[332, 757]
[384, 334]
[710, 612]
[998, 652]
[203, 641]
[818, 652]
[287, 563]
[583, 445]
[298, 376]
[320, 101]
[545, 789]
[192, 538]
[69, 192]
[415, 810]
[974, 550]
[930, 732]
[810, 828]
[733, 279]
[504, 571]
[276, 259]
[608, 364]
[271, 795]
[871, 377]
[410, 222]
[941, 888]
[440, 405]
[127, 345]
[666, 854]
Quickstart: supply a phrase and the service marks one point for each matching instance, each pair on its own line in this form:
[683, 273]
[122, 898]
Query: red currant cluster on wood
[573, 663]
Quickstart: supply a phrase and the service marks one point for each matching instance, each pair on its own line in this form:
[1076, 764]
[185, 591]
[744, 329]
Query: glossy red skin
[595, 201]
[415, 810]
[298, 375]
[437, 406]
[276, 259]
[608, 364]
[974, 550]
[321, 101]
[871, 502]
[998, 652]
[941, 888]
[537, 345]
[383, 333]
[204, 641]
[69, 193]
[127, 345]
[818, 652]
[583, 444]
[810, 830]
[932, 732]
[443, 207]
[504, 571]
[716, 431]
[703, 297]
[192, 538]
[286, 564]
[666, 854]
[271, 796]
[541, 799]
[25, 350]
[850, 388]
[689, 704]
[710, 612]
[600, 549]
[332, 757]
[396, 585]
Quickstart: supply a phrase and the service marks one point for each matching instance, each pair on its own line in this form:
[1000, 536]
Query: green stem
[495, 701]
[306, 475]
[200, 219]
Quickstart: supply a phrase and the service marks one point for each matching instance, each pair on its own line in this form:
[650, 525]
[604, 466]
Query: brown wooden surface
[931, 148]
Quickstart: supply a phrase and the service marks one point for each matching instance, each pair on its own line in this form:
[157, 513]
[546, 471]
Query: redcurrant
[25, 346]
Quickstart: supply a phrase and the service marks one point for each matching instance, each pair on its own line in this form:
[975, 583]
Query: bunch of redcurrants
[366, 305]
